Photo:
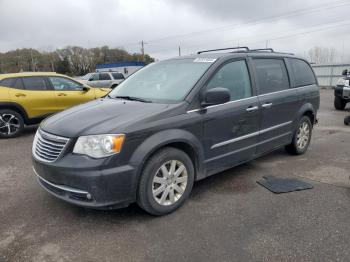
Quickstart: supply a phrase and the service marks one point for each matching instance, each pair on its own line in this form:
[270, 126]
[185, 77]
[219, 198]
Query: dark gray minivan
[175, 122]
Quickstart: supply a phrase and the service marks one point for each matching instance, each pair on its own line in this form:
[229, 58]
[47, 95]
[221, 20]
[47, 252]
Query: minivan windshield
[162, 82]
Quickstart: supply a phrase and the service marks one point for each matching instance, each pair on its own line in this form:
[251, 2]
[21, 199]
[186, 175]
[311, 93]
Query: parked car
[175, 122]
[27, 98]
[342, 91]
[103, 79]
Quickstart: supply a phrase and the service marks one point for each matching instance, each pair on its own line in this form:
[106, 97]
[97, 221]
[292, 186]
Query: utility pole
[179, 50]
[143, 50]
[267, 43]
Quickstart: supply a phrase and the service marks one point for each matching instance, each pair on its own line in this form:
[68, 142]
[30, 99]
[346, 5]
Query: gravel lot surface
[228, 217]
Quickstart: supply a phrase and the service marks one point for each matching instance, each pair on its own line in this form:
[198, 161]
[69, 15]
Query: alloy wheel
[169, 183]
[303, 135]
[9, 124]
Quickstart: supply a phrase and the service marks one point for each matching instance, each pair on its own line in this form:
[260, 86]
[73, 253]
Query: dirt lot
[228, 217]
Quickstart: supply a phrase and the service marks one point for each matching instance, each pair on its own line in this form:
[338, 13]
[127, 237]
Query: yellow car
[27, 98]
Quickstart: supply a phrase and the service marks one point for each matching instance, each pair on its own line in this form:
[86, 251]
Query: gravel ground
[228, 217]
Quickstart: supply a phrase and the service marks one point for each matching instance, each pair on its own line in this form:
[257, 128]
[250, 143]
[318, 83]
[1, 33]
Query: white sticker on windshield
[204, 60]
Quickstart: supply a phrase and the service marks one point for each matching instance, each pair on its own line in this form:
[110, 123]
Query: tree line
[71, 60]
[322, 55]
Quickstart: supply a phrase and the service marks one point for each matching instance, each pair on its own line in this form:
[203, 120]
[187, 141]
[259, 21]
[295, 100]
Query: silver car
[103, 79]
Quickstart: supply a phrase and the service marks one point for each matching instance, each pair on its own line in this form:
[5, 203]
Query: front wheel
[339, 103]
[301, 137]
[166, 181]
[11, 123]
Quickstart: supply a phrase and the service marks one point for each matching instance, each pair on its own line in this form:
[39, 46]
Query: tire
[347, 120]
[157, 193]
[339, 103]
[11, 123]
[301, 138]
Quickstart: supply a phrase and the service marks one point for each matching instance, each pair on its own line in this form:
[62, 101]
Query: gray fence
[328, 75]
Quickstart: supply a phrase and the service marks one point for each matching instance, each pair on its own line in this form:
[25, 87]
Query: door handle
[267, 105]
[20, 94]
[252, 108]
[62, 94]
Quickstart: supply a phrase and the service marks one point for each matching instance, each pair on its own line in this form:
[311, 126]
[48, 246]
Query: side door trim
[250, 135]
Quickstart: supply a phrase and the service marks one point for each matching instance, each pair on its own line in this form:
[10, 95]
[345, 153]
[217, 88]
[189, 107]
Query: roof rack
[263, 49]
[269, 50]
[221, 49]
[244, 49]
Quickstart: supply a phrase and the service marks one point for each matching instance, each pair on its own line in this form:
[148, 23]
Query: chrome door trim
[230, 102]
[275, 127]
[234, 140]
[250, 135]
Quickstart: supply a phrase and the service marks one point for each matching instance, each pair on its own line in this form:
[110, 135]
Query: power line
[271, 37]
[327, 6]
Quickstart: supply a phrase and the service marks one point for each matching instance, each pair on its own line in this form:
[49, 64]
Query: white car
[103, 79]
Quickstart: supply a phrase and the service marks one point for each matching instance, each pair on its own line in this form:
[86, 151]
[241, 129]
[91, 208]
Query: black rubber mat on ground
[283, 185]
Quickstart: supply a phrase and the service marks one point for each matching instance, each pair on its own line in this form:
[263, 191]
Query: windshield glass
[163, 82]
[86, 77]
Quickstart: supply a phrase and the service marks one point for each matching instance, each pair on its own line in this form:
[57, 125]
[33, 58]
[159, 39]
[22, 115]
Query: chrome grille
[48, 147]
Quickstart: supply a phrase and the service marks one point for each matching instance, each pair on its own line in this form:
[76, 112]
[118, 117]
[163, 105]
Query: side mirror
[345, 72]
[91, 79]
[86, 88]
[216, 96]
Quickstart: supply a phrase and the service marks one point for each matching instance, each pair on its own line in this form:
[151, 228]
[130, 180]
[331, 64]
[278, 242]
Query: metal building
[329, 74]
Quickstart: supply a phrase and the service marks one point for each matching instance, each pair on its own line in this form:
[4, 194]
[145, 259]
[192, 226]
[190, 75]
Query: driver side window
[235, 77]
[94, 77]
[64, 84]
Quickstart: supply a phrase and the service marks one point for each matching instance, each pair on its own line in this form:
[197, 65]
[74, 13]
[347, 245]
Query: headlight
[98, 146]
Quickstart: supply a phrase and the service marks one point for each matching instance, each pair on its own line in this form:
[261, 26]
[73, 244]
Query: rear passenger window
[302, 72]
[235, 77]
[105, 77]
[34, 83]
[271, 76]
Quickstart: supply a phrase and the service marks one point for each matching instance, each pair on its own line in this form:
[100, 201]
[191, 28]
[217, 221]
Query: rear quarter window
[302, 72]
[7, 82]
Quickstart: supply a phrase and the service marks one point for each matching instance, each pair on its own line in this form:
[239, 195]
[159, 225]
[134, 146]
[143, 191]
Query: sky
[164, 25]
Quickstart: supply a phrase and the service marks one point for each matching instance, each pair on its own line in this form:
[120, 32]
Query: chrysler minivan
[175, 122]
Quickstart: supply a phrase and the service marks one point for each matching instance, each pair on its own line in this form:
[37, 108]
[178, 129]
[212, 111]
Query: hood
[100, 116]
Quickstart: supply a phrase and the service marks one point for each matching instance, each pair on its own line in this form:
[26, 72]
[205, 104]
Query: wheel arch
[180, 139]
[309, 111]
[16, 107]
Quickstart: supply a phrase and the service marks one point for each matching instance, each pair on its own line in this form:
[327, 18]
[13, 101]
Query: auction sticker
[204, 60]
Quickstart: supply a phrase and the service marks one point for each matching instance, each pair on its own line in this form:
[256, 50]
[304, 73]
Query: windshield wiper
[133, 98]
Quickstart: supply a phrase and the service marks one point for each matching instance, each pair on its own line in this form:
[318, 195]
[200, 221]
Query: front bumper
[81, 181]
[342, 92]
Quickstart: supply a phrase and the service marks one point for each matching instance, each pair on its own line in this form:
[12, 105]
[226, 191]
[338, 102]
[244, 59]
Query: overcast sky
[293, 26]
